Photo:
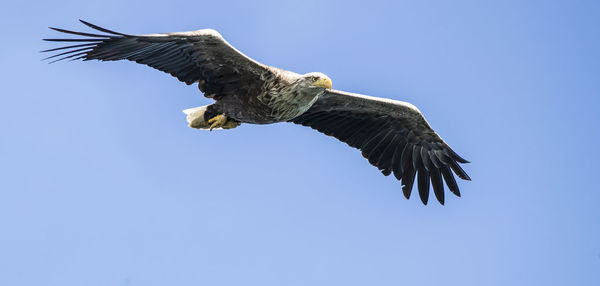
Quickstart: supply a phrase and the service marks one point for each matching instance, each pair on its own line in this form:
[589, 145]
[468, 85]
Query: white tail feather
[195, 117]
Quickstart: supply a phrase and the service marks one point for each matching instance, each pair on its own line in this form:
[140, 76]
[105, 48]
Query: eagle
[392, 135]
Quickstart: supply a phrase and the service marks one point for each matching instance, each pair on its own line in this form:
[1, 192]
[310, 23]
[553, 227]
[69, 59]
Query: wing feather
[423, 184]
[408, 179]
[384, 161]
[437, 184]
[195, 56]
[393, 136]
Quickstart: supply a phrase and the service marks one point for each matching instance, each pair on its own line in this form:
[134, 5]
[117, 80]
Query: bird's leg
[222, 121]
[209, 117]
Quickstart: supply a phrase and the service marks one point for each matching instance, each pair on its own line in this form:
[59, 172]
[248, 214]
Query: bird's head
[317, 80]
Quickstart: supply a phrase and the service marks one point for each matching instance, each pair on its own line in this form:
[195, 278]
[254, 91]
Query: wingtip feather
[102, 29]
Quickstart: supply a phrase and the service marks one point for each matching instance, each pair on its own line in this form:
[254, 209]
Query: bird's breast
[283, 105]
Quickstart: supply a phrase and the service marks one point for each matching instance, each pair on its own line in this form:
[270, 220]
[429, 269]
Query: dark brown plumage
[392, 135]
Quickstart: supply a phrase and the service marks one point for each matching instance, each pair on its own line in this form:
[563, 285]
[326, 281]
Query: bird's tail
[195, 117]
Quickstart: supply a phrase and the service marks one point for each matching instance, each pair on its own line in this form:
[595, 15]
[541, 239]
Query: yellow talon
[222, 121]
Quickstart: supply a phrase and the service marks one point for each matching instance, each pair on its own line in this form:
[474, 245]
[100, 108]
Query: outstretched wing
[393, 135]
[199, 56]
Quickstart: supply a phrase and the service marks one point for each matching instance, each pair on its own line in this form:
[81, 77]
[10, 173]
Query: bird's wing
[199, 56]
[393, 135]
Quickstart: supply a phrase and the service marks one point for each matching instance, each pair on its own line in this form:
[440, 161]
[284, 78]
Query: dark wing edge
[393, 135]
[197, 56]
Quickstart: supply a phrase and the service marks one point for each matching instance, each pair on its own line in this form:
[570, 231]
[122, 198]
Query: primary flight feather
[393, 135]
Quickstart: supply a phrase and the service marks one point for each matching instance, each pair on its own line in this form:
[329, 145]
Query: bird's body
[280, 98]
[393, 135]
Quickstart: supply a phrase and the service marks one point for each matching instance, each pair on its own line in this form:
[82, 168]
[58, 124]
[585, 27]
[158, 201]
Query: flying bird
[393, 135]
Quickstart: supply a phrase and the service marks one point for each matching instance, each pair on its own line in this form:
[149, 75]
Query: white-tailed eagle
[393, 135]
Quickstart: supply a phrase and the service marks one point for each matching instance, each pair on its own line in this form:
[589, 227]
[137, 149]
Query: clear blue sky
[102, 182]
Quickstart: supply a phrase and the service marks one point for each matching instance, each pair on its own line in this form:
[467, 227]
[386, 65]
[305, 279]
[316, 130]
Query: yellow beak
[323, 82]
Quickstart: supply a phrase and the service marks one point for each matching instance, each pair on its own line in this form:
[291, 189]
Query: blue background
[103, 183]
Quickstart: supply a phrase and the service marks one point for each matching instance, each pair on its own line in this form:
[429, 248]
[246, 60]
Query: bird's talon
[222, 121]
